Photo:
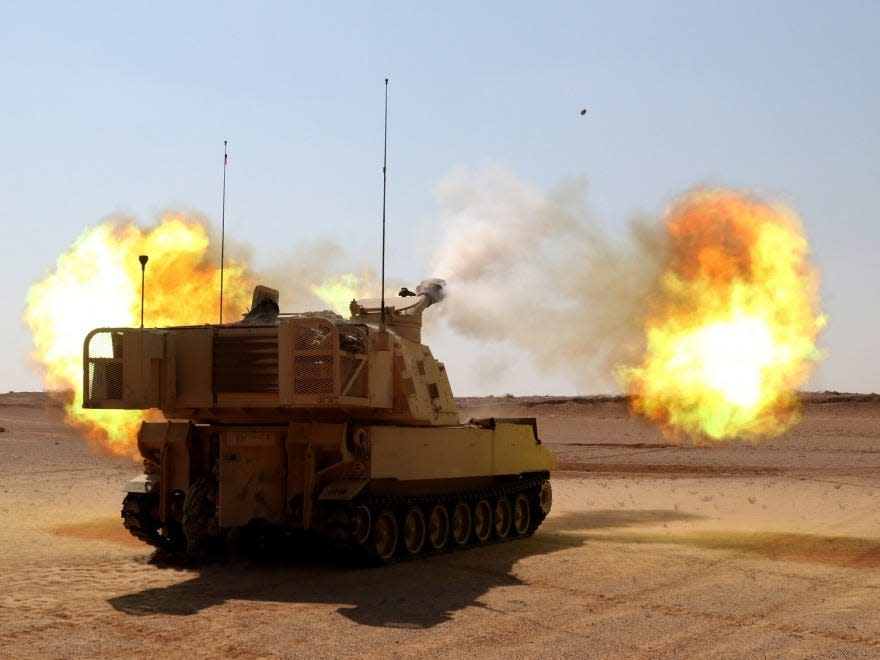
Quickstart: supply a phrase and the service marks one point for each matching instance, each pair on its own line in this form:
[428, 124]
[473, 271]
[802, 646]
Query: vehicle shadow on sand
[411, 594]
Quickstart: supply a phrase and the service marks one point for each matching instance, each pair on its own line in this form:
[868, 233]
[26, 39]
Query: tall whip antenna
[223, 229]
[384, 185]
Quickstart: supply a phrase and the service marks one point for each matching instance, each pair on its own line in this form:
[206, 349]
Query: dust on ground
[652, 550]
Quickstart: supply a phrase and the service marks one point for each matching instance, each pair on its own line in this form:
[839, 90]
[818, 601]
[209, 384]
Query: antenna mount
[143, 259]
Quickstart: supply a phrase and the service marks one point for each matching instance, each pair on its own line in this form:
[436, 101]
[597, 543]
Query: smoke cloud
[319, 275]
[311, 263]
[535, 270]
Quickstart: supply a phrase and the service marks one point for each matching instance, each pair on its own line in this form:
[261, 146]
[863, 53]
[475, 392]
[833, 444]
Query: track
[140, 516]
[382, 529]
[385, 529]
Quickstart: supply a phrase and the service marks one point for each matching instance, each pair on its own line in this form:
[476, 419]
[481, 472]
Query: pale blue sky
[108, 108]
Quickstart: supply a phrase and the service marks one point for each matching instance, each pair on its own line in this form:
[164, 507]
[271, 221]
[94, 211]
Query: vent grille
[246, 363]
[313, 374]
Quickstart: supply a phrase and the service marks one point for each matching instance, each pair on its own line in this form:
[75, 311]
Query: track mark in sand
[71, 593]
[601, 605]
[845, 551]
[605, 605]
[758, 621]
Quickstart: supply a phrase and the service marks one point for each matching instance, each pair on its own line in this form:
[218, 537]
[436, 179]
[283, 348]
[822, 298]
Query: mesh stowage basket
[104, 360]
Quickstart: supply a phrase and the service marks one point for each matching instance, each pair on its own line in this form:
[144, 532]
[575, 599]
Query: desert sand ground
[651, 550]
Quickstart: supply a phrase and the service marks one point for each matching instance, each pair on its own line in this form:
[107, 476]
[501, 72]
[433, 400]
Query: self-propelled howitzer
[345, 428]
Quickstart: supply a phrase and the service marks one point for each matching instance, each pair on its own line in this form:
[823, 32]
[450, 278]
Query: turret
[278, 367]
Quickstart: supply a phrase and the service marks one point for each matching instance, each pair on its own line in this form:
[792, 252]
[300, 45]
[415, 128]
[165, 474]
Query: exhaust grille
[315, 355]
[245, 363]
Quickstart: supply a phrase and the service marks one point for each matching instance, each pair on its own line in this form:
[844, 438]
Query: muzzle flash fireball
[99, 279]
[731, 329]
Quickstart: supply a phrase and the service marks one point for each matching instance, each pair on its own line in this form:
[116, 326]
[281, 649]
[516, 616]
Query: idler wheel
[414, 530]
[482, 521]
[338, 529]
[462, 523]
[361, 522]
[503, 516]
[522, 515]
[438, 527]
[545, 499]
[385, 535]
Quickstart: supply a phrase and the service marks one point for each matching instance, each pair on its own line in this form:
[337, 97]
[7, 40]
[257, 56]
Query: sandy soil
[652, 550]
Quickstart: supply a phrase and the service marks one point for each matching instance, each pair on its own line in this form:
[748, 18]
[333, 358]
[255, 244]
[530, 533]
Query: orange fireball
[731, 330]
[97, 282]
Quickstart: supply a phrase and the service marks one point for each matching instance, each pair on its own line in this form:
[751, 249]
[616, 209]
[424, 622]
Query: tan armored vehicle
[343, 428]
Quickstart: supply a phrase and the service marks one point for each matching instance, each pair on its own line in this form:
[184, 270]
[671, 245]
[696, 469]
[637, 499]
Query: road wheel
[503, 515]
[385, 535]
[438, 527]
[482, 521]
[522, 515]
[462, 523]
[414, 530]
[361, 521]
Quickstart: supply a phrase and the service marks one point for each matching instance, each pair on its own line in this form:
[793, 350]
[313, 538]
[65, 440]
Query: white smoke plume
[534, 269]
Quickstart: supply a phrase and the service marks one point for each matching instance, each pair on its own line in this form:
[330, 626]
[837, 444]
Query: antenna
[223, 229]
[143, 259]
[384, 185]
